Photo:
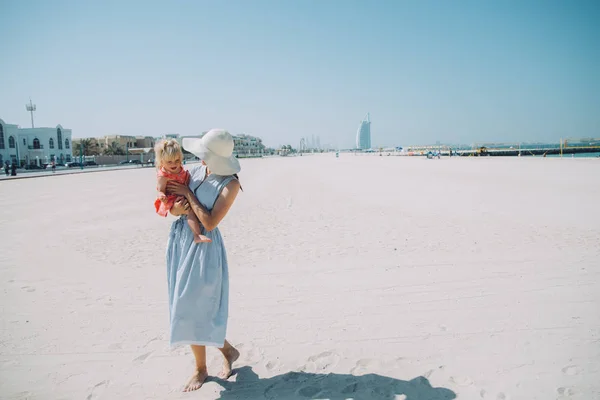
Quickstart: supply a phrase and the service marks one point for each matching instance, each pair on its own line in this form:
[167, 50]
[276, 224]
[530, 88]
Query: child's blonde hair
[167, 150]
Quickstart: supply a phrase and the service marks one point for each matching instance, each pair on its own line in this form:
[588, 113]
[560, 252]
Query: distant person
[6, 168]
[169, 168]
[198, 275]
[53, 166]
[13, 169]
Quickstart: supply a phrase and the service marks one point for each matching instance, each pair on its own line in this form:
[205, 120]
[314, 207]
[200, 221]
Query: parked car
[89, 163]
[73, 164]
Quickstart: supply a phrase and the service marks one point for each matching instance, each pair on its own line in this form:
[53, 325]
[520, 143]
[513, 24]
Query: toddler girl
[168, 163]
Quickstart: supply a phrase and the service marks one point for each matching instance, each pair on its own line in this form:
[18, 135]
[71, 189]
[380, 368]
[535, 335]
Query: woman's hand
[178, 189]
[180, 207]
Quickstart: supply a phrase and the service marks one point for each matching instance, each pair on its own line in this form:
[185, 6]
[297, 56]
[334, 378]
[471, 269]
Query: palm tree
[84, 146]
[93, 149]
[114, 150]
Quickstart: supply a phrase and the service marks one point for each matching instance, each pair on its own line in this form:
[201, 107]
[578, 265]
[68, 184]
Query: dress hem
[197, 343]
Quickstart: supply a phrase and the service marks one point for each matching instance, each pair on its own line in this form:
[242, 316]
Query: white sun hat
[215, 148]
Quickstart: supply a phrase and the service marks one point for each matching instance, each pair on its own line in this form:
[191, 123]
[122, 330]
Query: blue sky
[454, 71]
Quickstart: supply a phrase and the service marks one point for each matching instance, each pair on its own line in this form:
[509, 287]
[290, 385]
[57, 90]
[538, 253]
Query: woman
[197, 273]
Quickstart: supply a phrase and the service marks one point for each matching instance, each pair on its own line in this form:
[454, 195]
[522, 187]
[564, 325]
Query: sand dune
[357, 277]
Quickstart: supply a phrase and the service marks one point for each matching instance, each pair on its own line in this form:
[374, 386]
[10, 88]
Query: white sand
[481, 275]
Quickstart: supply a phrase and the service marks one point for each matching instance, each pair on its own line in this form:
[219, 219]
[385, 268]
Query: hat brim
[216, 164]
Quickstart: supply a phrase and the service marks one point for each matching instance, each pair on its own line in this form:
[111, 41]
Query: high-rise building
[363, 135]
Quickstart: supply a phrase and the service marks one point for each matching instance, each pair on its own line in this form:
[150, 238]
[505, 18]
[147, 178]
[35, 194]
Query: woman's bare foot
[231, 355]
[196, 380]
[201, 239]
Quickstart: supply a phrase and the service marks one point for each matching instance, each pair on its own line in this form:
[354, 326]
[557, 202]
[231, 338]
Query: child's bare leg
[196, 228]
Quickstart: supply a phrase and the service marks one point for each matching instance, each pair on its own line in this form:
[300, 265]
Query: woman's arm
[209, 219]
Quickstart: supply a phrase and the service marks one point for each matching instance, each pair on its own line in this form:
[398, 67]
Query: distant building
[144, 142]
[363, 135]
[122, 141]
[34, 146]
[247, 145]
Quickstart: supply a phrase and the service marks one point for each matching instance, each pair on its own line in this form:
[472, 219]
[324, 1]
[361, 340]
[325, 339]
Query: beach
[360, 277]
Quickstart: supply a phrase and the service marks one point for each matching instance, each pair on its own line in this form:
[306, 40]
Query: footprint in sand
[28, 288]
[142, 358]
[320, 362]
[570, 370]
[309, 391]
[325, 360]
[461, 381]
[431, 371]
[154, 339]
[271, 365]
[249, 353]
[365, 365]
[565, 391]
[97, 388]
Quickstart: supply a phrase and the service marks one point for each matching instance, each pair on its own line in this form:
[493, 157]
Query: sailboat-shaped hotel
[363, 135]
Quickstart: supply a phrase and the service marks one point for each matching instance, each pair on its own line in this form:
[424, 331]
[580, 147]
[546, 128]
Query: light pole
[17, 149]
[31, 108]
[81, 154]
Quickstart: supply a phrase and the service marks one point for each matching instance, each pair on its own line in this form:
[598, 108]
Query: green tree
[114, 150]
[84, 146]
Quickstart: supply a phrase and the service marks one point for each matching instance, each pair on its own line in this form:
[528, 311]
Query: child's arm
[161, 186]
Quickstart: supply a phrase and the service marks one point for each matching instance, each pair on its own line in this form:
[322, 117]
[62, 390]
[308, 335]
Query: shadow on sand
[304, 385]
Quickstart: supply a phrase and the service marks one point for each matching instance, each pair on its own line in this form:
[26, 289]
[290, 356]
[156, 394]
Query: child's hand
[162, 197]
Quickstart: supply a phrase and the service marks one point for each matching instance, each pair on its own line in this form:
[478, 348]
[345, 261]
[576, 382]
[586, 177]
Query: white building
[34, 146]
[363, 134]
[249, 146]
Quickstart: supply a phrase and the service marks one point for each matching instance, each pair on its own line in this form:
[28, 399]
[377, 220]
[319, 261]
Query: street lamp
[31, 108]
[81, 154]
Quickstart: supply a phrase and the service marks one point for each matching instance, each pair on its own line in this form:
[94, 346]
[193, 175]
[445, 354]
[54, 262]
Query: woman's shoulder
[226, 181]
[197, 171]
